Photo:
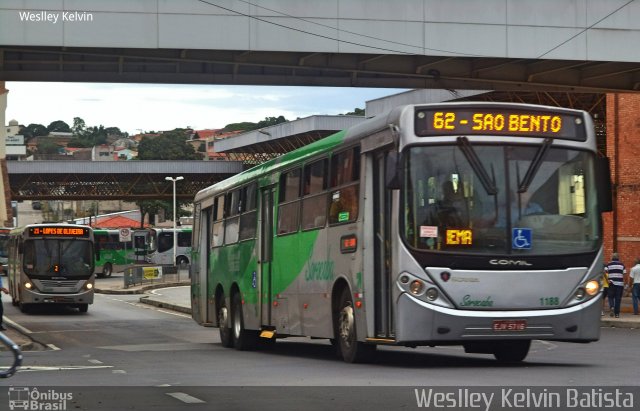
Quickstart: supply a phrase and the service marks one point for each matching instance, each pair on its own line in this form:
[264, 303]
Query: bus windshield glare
[58, 257]
[454, 205]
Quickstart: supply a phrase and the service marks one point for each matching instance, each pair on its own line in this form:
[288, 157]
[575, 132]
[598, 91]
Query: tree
[46, 146]
[78, 126]
[60, 126]
[356, 112]
[34, 130]
[168, 146]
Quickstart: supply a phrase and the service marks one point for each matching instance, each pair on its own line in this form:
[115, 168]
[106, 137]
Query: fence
[155, 274]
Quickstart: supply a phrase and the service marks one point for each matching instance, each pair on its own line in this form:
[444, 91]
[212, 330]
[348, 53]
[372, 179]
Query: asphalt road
[126, 355]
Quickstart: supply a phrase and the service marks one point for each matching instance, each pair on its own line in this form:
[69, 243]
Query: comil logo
[33, 399]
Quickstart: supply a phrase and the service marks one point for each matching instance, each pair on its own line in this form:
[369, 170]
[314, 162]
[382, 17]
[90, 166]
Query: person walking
[2, 290]
[617, 272]
[607, 297]
[634, 280]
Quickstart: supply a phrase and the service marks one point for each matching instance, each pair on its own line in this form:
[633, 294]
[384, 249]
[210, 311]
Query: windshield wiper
[473, 159]
[534, 166]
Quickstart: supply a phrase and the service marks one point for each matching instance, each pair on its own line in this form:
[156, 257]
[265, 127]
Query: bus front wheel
[511, 351]
[83, 308]
[107, 270]
[352, 350]
[243, 339]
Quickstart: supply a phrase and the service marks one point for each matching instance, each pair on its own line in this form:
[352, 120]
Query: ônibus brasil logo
[33, 399]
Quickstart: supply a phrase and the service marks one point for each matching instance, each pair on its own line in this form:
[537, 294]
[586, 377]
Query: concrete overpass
[113, 180]
[585, 45]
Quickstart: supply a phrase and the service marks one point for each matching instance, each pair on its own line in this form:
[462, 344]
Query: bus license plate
[509, 325]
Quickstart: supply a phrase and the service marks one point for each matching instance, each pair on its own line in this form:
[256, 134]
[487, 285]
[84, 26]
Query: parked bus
[412, 228]
[4, 240]
[161, 245]
[111, 253]
[51, 264]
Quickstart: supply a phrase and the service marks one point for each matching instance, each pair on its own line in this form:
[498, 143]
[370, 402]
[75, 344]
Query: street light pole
[175, 232]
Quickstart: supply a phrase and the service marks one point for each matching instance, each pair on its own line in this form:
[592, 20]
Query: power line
[587, 28]
[329, 37]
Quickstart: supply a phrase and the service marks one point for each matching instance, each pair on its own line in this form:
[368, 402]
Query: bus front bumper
[35, 297]
[419, 323]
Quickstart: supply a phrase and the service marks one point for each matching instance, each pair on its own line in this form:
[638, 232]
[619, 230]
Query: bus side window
[345, 167]
[217, 227]
[289, 208]
[314, 204]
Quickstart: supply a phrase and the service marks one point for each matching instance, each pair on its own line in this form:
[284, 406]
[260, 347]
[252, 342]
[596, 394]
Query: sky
[153, 107]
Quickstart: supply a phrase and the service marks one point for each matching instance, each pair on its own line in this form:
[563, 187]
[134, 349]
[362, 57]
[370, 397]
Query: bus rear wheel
[223, 325]
[243, 339]
[511, 351]
[352, 350]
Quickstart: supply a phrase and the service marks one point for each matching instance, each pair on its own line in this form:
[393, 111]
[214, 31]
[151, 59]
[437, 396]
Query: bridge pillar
[6, 217]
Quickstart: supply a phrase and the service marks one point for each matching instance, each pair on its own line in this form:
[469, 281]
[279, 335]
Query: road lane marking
[186, 398]
[32, 368]
[53, 347]
[95, 361]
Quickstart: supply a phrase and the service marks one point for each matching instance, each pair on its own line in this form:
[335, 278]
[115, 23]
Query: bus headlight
[432, 294]
[28, 285]
[592, 287]
[89, 286]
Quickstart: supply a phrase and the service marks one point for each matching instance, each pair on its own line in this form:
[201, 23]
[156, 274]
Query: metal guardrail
[155, 274]
[17, 356]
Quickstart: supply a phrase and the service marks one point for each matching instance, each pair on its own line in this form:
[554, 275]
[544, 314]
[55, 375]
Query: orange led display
[513, 121]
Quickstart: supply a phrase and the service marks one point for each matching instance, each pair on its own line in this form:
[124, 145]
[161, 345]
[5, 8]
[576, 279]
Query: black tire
[223, 325]
[24, 308]
[83, 308]
[107, 270]
[182, 260]
[512, 351]
[243, 339]
[352, 350]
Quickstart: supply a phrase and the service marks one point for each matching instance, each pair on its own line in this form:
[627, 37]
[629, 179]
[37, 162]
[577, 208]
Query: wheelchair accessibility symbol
[521, 238]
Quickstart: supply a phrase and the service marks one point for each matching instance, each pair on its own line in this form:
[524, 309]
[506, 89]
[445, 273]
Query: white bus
[51, 264]
[476, 224]
[161, 242]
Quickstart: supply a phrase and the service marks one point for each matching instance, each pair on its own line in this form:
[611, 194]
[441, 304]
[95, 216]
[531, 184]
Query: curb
[160, 304]
[142, 289]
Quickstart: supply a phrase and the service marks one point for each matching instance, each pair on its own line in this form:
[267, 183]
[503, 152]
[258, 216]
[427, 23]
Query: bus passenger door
[267, 196]
[382, 250]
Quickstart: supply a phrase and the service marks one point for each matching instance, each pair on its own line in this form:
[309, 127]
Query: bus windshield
[511, 199]
[56, 257]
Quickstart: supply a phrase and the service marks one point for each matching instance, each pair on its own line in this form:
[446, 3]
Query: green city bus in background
[412, 228]
[112, 255]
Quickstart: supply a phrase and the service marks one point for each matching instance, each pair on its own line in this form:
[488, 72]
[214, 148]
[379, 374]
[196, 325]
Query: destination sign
[57, 231]
[503, 121]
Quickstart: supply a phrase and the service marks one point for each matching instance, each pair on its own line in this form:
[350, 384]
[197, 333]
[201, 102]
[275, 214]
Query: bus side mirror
[392, 170]
[603, 183]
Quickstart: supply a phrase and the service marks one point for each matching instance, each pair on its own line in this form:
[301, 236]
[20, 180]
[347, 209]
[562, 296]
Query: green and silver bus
[51, 264]
[111, 254]
[161, 242]
[476, 224]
